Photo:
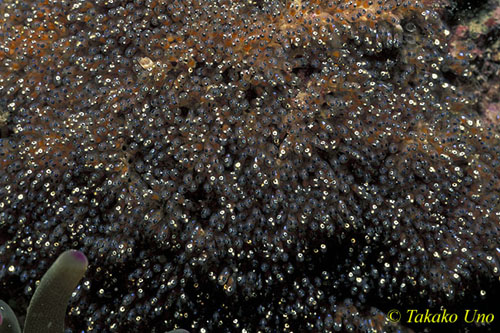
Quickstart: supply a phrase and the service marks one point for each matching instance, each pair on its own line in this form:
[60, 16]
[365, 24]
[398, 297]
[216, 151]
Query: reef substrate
[245, 166]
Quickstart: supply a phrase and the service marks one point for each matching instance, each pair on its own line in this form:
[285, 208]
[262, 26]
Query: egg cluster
[243, 166]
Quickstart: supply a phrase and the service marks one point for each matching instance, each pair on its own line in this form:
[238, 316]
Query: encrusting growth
[309, 160]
